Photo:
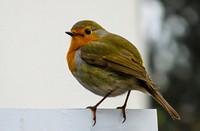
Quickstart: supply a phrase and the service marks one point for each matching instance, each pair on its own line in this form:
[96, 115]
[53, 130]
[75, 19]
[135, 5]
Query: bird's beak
[70, 33]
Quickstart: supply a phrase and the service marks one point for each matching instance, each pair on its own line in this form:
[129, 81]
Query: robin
[109, 65]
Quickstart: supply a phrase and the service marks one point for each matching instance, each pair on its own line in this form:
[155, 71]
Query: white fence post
[77, 120]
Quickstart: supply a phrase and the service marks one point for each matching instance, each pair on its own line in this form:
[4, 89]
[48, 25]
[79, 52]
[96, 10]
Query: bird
[109, 65]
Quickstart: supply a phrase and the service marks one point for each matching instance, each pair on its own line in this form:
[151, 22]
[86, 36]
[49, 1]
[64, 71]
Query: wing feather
[116, 57]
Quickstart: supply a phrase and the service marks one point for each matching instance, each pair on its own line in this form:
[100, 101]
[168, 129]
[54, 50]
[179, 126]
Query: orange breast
[70, 60]
[76, 43]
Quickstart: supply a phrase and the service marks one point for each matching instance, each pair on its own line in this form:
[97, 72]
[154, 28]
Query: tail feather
[152, 89]
[159, 98]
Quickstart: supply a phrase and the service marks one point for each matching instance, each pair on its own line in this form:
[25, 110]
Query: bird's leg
[124, 106]
[94, 108]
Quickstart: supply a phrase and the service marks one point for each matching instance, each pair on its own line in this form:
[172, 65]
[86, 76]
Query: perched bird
[109, 65]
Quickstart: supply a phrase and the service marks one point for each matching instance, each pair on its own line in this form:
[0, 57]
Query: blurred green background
[174, 62]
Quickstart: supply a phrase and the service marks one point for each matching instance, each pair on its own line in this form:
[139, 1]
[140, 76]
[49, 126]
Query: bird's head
[85, 31]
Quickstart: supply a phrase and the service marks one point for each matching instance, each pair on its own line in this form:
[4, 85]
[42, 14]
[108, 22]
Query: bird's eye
[88, 31]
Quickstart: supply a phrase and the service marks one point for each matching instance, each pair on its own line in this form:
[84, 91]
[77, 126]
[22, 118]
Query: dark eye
[87, 31]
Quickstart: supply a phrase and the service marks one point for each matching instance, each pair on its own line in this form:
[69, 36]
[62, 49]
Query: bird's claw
[93, 109]
[123, 112]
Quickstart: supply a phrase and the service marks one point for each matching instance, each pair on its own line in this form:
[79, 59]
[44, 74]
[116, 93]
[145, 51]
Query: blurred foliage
[175, 64]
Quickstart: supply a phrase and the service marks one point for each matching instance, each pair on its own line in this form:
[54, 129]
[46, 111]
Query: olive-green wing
[121, 57]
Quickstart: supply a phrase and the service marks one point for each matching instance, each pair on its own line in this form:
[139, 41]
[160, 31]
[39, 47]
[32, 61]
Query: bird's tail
[159, 98]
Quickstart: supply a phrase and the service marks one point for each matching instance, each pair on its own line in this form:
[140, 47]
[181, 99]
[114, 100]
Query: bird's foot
[123, 108]
[93, 109]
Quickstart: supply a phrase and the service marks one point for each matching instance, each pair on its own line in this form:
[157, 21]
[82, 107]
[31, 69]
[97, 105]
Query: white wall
[33, 45]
